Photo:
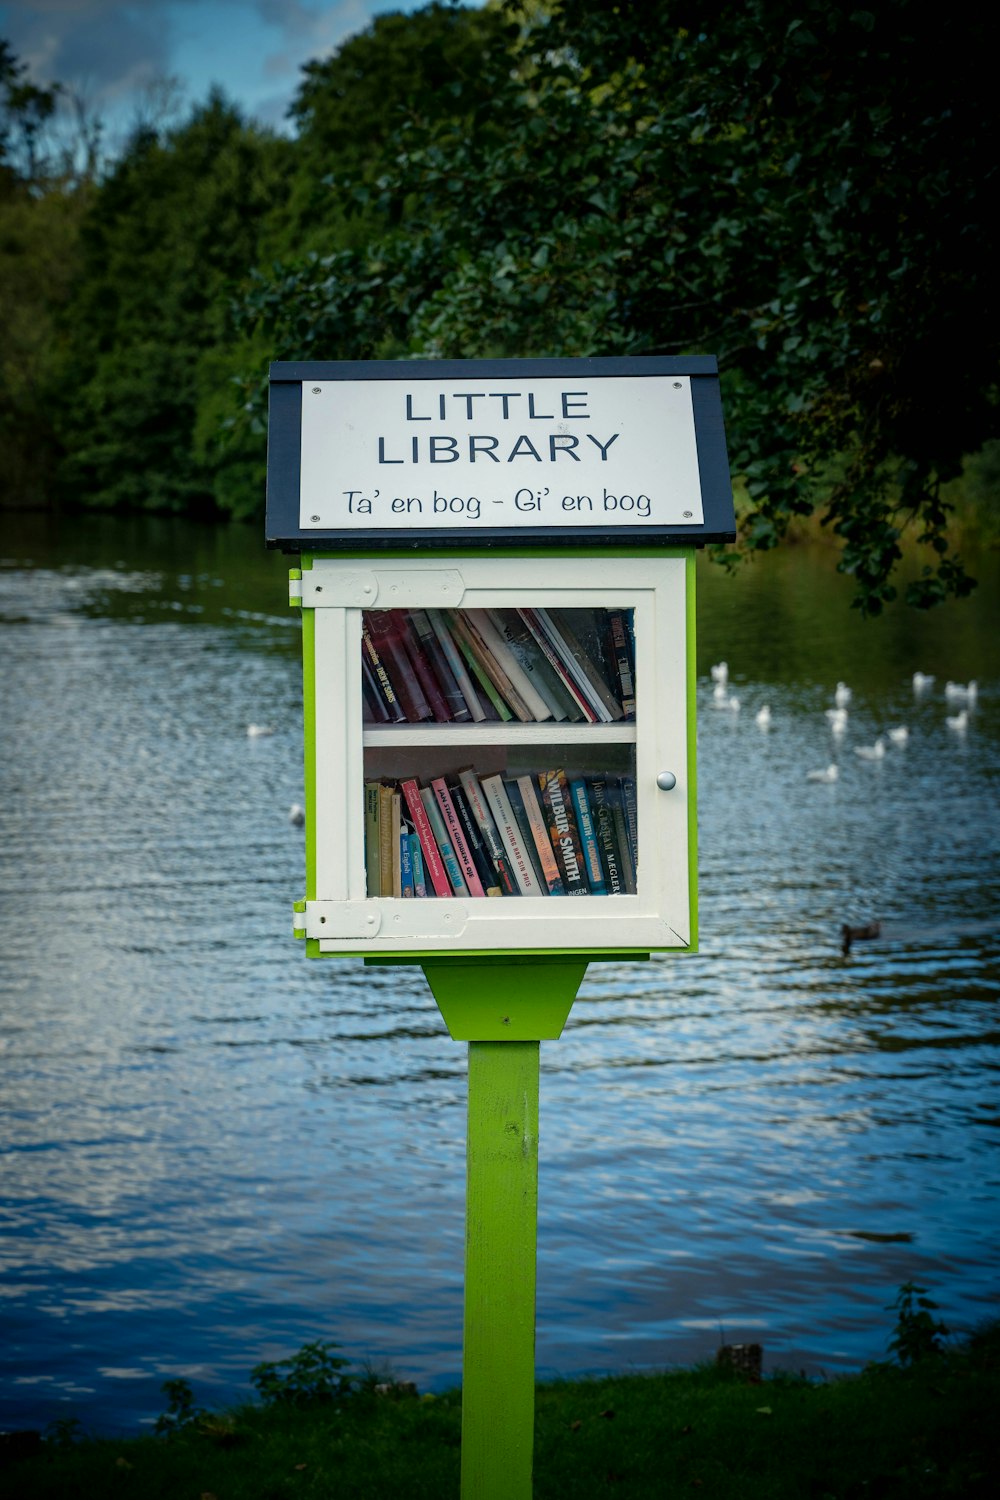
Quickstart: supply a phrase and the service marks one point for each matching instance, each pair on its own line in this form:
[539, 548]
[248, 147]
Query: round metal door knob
[666, 781]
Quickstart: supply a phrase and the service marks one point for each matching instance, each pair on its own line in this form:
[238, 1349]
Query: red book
[422, 666]
[433, 863]
[391, 647]
[456, 833]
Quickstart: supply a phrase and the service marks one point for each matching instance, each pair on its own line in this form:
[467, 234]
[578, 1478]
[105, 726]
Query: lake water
[215, 1151]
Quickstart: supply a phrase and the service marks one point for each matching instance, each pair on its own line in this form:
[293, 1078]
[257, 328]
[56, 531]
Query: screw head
[314, 518]
[688, 514]
[317, 390]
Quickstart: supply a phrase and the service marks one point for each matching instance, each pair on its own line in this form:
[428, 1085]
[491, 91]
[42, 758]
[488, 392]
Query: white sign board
[423, 453]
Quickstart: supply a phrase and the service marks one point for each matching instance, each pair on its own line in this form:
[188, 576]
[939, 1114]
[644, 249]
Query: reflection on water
[215, 1151]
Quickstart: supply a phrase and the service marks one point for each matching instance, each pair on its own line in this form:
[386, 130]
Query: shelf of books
[504, 749]
[503, 761]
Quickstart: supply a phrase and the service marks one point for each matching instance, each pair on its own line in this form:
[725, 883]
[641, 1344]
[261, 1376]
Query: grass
[921, 1430]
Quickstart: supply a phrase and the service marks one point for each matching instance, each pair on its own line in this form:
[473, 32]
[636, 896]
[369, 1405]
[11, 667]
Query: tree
[799, 188]
[171, 232]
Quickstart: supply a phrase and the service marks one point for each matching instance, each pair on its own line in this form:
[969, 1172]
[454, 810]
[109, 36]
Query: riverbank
[921, 1431]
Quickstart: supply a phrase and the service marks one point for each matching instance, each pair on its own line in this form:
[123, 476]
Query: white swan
[720, 672]
[829, 774]
[838, 720]
[297, 814]
[922, 681]
[962, 692]
[871, 752]
[763, 717]
[900, 735]
[257, 731]
[959, 721]
[841, 695]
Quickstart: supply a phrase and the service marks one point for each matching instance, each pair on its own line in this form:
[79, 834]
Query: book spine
[422, 667]
[540, 833]
[607, 839]
[515, 674]
[433, 862]
[456, 836]
[405, 862]
[372, 882]
[631, 810]
[523, 823]
[395, 710]
[532, 619]
[397, 832]
[455, 661]
[532, 661]
[384, 839]
[480, 810]
[376, 710]
[417, 866]
[477, 848]
[503, 814]
[622, 656]
[479, 673]
[621, 834]
[435, 653]
[588, 836]
[563, 831]
[468, 630]
[589, 674]
[384, 632]
[448, 855]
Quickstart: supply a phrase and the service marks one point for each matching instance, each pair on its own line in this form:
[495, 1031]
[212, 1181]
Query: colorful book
[383, 629]
[438, 658]
[405, 862]
[453, 656]
[580, 798]
[532, 618]
[448, 855]
[488, 875]
[583, 666]
[385, 839]
[456, 836]
[526, 691]
[631, 811]
[523, 821]
[513, 841]
[422, 666]
[372, 881]
[433, 863]
[480, 809]
[605, 801]
[535, 812]
[621, 653]
[376, 710]
[394, 708]
[491, 672]
[417, 865]
[534, 662]
[563, 832]
[396, 825]
[480, 675]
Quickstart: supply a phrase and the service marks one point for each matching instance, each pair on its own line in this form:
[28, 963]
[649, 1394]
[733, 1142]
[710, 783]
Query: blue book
[588, 836]
[417, 863]
[405, 863]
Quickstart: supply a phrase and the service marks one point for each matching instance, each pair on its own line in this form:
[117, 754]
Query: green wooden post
[503, 1007]
[501, 1212]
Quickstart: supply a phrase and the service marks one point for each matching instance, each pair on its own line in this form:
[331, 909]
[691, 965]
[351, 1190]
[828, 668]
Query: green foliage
[314, 1375]
[916, 1433]
[798, 188]
[917, 1335]
[181, 1414]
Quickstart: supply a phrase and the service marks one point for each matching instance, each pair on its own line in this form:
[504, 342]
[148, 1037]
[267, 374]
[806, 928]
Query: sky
[113, 51]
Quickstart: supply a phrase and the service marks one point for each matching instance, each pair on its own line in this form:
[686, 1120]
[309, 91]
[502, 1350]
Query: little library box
[497, 587]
